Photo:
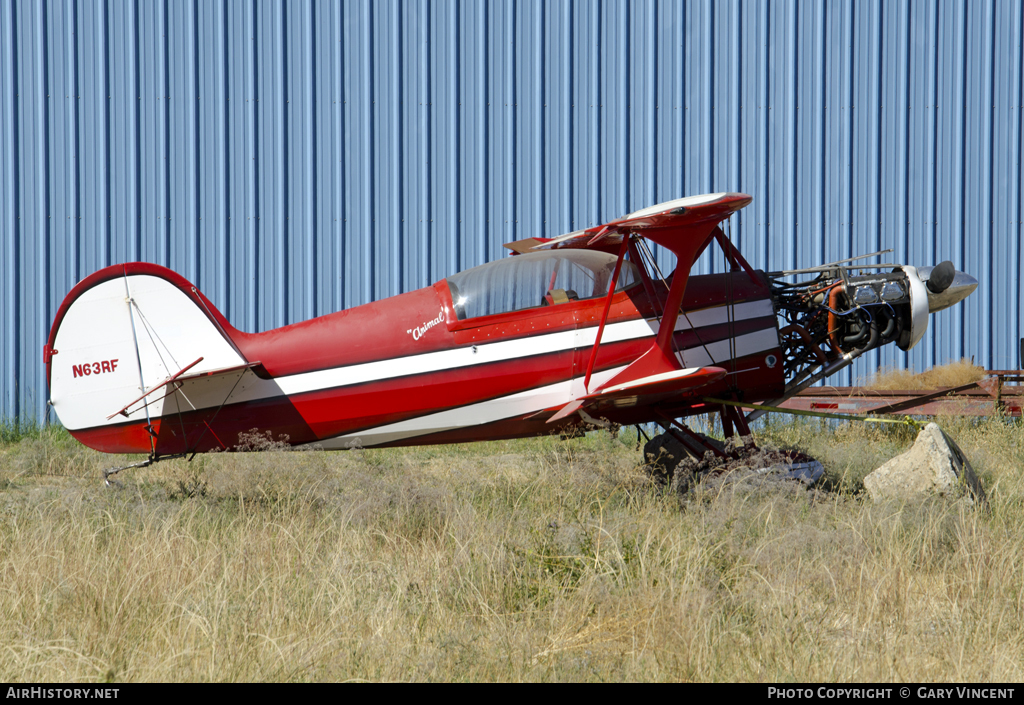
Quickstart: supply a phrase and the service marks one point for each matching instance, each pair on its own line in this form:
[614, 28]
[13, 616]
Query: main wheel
[662, 455]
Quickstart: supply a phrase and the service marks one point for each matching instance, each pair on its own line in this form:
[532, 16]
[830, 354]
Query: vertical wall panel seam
[76, 222]
[905, 216]
[1019, 334]
[166, 254]
[627, 95]
[542, 217]
[459, 152]
[401, 229]
[222, 235]
[962, 225]
[682, 95]
[737, 76]
[314, 157]
[16, 279]
[372, 109]
[872, 230]
[107, 99]
[341, 275]
[486, 109]
[793, 149]
[571, 132]
[823, 126]
[842, 118]
[257, 230]
[656, 101]
[852, 122]
[765, 127]
[428, 138]
[877, 214]
[516, 163]
[197, 175]
[283, 316]
[709, 102]
[990, 106]
[598, 122]
[137, 103]
[935, 146]
[404, 115]
[43, 268]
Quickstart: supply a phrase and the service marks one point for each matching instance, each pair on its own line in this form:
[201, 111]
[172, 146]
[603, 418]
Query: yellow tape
[906, 420]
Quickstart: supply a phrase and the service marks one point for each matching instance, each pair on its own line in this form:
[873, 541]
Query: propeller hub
[946, 285]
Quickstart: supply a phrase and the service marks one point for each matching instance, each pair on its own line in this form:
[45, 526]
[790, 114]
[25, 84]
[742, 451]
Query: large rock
[935, 465]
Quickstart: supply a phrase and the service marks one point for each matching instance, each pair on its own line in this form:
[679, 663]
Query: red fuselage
[406, 370]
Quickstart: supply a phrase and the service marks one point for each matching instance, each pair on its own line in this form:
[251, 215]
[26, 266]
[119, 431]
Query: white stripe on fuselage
[253, 389]
[478, 414]
[533, 400]
[511, 349]
[480, 354]
[721, 351]
[760, 308]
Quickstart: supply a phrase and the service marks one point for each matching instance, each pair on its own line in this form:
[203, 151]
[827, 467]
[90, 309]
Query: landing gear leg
[733, 424]
[666, 452]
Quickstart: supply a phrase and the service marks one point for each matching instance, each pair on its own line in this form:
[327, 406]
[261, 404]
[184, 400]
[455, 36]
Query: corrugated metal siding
[295, 158]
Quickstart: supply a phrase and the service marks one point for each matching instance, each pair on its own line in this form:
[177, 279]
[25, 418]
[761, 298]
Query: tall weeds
[539, 560]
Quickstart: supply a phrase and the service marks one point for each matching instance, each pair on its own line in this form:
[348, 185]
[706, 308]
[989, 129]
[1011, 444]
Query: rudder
[119, 334]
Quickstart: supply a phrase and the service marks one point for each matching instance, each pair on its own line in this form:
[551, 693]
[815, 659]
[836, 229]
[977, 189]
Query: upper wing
[673, 224]
[684, 226]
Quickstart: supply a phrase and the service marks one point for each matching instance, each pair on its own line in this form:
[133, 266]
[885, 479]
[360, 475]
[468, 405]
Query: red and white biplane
[579, 328]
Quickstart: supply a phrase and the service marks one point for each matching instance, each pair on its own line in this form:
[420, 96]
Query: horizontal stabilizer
[222, 371]
[180, 377]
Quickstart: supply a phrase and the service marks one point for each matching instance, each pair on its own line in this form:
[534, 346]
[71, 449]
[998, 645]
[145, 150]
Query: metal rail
[1001, 392]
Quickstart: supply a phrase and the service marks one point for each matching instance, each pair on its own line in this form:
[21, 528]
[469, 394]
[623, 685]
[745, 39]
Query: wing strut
[607, 308]
[124, 411]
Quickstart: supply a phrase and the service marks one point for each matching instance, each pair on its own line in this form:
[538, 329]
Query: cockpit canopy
[536, 279]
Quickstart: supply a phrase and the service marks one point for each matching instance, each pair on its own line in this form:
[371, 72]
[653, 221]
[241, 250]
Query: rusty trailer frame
[1001, 392]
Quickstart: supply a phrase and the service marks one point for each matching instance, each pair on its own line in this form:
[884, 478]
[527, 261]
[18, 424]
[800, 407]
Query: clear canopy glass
[536, 279]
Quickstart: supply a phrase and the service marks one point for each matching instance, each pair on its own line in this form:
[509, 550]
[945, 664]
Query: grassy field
[526, 560]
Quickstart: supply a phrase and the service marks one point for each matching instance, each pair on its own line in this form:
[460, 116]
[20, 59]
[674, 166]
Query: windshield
[535, 279]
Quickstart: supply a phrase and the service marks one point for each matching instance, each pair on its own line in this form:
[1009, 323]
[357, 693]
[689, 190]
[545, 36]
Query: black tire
[662, 455]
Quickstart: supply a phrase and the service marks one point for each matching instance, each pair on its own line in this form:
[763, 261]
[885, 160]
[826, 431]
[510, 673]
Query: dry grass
[527, 560]
[952, 374]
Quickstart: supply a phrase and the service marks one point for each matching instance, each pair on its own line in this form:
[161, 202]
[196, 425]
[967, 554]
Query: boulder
[935, 465]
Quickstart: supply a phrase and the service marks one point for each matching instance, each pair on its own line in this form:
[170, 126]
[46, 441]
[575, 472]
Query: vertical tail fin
[119, 334]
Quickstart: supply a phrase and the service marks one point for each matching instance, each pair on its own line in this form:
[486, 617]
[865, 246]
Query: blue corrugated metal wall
[293, 158]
